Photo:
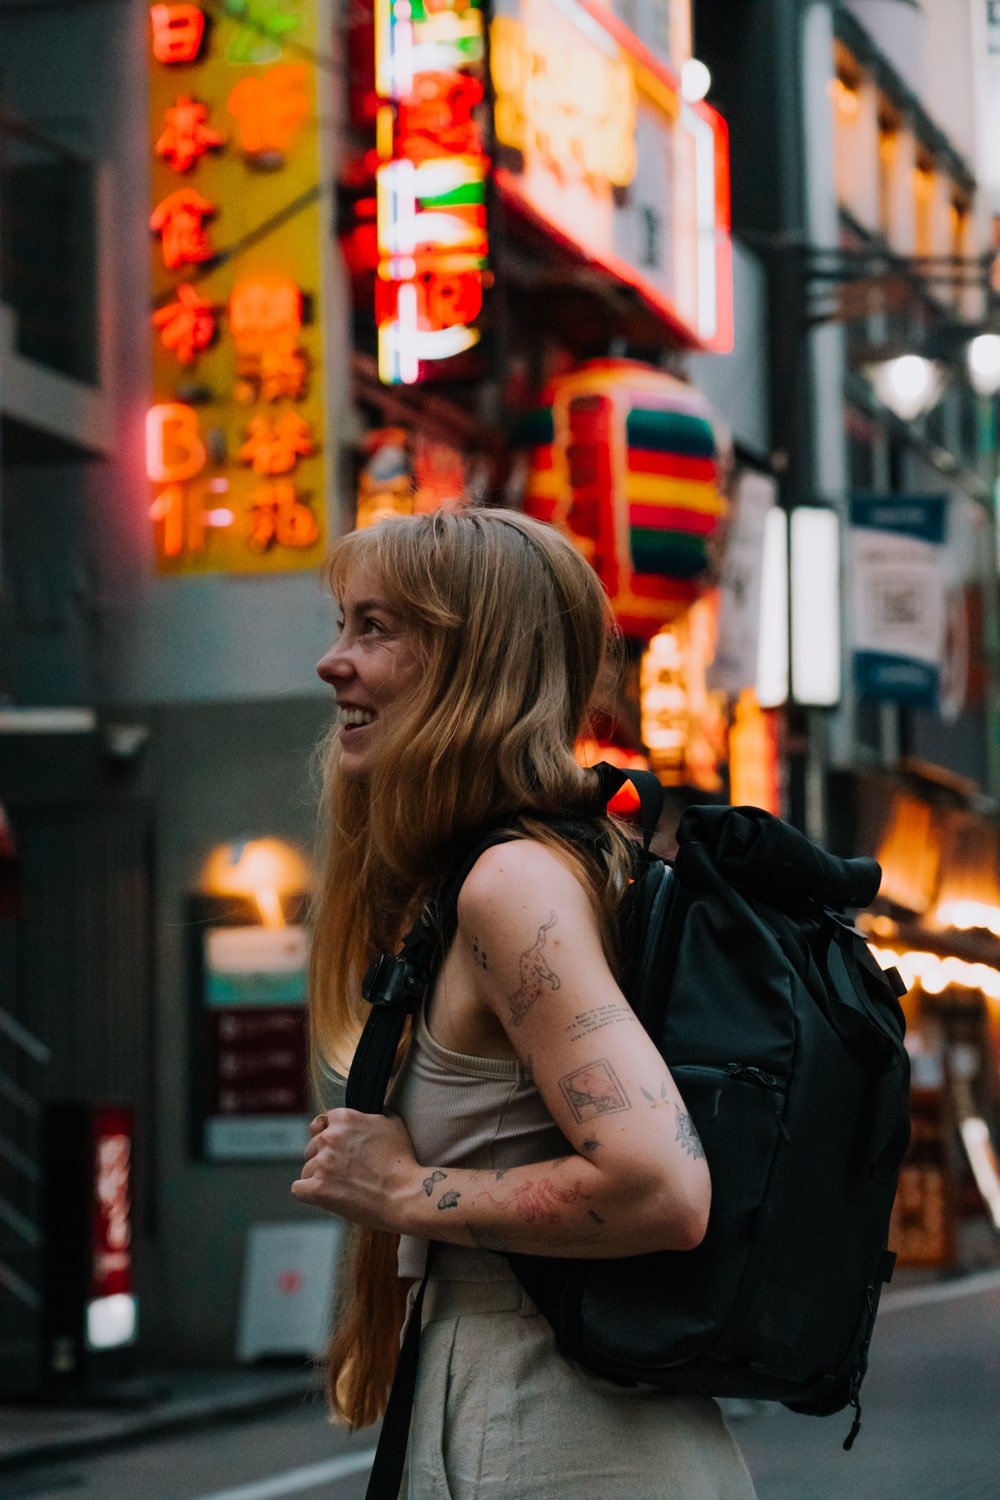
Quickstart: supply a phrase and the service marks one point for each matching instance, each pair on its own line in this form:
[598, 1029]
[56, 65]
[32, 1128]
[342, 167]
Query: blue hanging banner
[897, 597]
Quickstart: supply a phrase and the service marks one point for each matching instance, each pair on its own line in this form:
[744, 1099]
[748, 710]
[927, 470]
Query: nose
[334, 666]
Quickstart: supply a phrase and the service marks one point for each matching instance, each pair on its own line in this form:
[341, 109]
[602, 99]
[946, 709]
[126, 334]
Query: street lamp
[983, 363]
[908, 384]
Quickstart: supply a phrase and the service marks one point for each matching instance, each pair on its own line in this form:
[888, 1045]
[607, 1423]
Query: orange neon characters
[185, 136]
[279, 515]
[174, 447]
[177, 32]
[265, 316]
[179, 221]
[274, 444]
[187, 326]
[265, 312]
[269, 109]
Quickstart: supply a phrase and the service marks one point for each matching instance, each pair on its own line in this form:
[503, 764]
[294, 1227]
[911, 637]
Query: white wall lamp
[983, 363]
[909, 385]
[799, 655]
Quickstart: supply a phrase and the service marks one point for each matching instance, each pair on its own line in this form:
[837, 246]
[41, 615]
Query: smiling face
[373, 667]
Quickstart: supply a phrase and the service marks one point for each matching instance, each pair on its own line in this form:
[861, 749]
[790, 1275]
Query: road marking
[946, 1291]
[298, 1479]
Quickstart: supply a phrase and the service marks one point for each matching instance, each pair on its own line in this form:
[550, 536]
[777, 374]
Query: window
[888, 169]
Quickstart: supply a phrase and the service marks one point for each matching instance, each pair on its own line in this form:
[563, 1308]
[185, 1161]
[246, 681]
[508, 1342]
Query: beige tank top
[480, 1112]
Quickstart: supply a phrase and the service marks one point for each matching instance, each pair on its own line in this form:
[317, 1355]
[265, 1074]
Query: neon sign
[234, 436]
[595, 144]
[430, 186]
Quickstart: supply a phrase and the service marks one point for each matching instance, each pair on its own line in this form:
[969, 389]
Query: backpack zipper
[765, 1081]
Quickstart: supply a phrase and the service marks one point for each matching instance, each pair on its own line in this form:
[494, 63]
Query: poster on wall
[235, 430]
[734, 667]
[254, 1068]
[897, 597]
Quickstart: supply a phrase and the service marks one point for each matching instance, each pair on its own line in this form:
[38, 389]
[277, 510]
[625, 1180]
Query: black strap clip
[394, 983]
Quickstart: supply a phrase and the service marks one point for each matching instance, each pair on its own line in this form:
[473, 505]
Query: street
[929, 1431]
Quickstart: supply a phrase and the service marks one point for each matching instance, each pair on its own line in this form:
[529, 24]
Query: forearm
[566, 1207]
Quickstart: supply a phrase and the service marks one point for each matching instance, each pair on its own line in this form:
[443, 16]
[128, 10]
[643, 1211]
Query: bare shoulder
[513, 882]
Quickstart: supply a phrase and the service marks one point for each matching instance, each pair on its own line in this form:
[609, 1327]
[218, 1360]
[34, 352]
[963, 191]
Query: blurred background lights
[696, 80]
[983, 356]
[908, 385]
[265, 869]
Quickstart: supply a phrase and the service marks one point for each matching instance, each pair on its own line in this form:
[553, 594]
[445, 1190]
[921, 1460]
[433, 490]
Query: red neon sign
[177, 32]
[186, 326]
[179, 221]
[185, 136]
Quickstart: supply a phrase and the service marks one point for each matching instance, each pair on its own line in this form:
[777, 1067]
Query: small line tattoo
[594, 1090]
[590, 1144]
[479, 956]
[662, 1101]
[436, 1176]
[536, 975]
[687, 1135]
[595, 1216]
[450, 1200]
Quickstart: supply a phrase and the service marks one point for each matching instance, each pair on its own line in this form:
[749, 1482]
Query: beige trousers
[500, 1415]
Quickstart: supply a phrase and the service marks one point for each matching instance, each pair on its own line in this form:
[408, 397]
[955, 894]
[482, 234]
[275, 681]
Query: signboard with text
[594, 143]
[235, 431]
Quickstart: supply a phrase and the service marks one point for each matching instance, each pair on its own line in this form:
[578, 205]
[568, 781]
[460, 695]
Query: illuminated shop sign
[423, 228]
[234, 433]
[594, 142]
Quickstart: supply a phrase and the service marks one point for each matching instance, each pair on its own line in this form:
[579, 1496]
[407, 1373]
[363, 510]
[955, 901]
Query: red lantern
[630, 462]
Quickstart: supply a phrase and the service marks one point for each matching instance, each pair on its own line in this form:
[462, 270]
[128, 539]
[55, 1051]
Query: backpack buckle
[394, 983]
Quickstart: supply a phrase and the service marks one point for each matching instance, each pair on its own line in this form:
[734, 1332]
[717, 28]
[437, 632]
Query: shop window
[959, 221]
[845, 95]
[888, 171]
[48, 273]
[924, 183]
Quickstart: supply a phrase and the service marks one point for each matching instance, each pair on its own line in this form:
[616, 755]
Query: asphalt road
[930, 1431]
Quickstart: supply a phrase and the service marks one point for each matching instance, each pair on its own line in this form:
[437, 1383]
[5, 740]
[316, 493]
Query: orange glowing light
[179, 221]
[185, 136]
[187, 325]
[177, 32]
[265, 869]
[274, 444]
[269, 109]
[280, 516]
[265, 312]
[174, 448]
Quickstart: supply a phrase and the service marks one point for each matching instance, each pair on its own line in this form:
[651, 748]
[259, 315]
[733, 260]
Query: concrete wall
[737, 383]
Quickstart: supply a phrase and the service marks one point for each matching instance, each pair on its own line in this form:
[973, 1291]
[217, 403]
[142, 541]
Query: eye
[340, 622]
[373, 626]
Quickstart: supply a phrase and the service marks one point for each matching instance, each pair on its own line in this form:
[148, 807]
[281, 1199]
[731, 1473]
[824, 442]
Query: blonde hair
[513, 629]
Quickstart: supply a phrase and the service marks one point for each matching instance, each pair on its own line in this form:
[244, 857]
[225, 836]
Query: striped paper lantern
[629, 462]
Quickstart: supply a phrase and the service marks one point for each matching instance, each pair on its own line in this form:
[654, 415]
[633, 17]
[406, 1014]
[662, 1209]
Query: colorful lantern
[630, 462]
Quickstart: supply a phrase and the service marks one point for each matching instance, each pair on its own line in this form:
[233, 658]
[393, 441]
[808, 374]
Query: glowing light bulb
[696, 80]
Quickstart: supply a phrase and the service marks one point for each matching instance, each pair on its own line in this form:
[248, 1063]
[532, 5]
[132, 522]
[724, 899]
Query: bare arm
[637, 1180]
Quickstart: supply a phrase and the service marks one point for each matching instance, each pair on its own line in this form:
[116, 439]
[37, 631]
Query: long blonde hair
[513, 629]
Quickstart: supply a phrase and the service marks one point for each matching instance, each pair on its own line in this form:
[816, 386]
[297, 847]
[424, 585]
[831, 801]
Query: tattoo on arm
[591, 1143]
[436, 1176]
[687, 1135]
[450, 1200]
[485, 1239]
[535, 975]
[479, 956]
[662, 1101]
[589, 1021]
[594, 1090]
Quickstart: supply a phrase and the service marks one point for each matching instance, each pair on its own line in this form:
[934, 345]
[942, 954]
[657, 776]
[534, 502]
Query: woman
[531, 1113]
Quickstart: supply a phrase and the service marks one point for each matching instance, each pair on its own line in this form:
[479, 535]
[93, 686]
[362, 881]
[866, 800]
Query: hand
[358, 1166]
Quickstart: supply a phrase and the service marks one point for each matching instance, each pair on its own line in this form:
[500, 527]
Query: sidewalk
[139, 1407]
[173, 1399]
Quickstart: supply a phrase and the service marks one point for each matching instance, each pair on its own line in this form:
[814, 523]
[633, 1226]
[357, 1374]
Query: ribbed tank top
[462, 1111]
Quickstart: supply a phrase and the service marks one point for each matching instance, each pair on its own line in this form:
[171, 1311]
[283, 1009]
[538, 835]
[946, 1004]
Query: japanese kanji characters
[185, 136]
[274, 444]
[178, 31]
[280, 515]
[269, 110]
[179, 221]
[187, 325]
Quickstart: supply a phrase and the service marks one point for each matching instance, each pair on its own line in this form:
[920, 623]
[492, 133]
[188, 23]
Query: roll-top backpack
[785, 1039]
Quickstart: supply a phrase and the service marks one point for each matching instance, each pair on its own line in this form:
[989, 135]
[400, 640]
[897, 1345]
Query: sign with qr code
[897, 596]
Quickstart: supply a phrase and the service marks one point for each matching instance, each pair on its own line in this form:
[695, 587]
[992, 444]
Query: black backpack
[785, 1039]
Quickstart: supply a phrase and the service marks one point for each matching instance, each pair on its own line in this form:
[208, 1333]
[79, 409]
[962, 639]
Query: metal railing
[23, 1061]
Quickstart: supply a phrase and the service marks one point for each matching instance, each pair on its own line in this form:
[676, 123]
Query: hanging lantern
[630, 462]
